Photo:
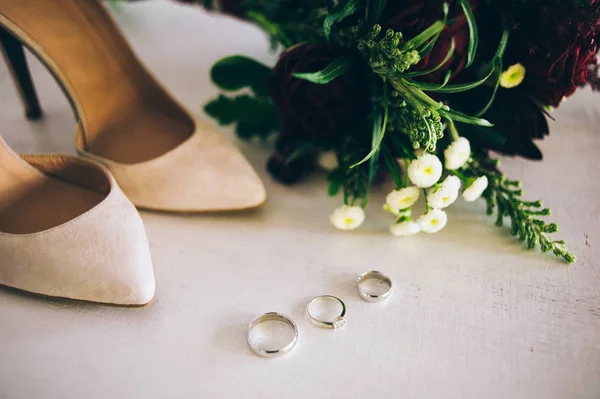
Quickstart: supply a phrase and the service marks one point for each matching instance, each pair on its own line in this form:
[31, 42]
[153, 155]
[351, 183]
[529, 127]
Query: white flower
[433, 221]
[406, 228]
[457, 153]
[425, 171]
[347, 217]
[476, 188]
[402, 199]
[328, 160]
[445, 194]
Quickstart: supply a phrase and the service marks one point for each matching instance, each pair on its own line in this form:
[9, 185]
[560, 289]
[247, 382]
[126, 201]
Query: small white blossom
[401, 199]
[445, 194]
[457, 153]
[425, 171]
[476, 188]
[347, 217]
[433, 221]
[406, 228]
[328, 160]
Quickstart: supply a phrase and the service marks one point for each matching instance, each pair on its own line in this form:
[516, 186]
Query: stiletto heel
[19, 69]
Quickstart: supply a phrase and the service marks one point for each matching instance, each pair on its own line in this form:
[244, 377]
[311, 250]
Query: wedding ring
[254, 342]
[336, 323]
[380, 280]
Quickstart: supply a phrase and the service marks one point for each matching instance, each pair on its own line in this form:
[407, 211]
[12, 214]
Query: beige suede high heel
[67, 230]
[162, 157]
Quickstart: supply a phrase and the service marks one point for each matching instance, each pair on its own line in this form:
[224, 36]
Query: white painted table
[475, 315]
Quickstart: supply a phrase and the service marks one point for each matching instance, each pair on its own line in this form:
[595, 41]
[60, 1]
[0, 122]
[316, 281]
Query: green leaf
[393, 167]
[332, 71]
[375, 12]
[493, 96]
[489, 134]
[497, 62]
[237, 72]
[441, 64]
[473, 35]
[502, 45]
[457, 88]
[379, 126]
[270, 27]
[460, 117]
[336, 181]
[339, 12]
[424, 36]
[252, 116]
[429, 46]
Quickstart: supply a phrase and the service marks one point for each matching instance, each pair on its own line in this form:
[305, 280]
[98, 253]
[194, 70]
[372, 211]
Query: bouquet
[415, 92]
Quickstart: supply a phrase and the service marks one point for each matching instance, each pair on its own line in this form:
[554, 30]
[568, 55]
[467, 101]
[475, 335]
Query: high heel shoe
[67, 230]
[161, 156]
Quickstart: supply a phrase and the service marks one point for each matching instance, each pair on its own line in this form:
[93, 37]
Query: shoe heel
[14, 55]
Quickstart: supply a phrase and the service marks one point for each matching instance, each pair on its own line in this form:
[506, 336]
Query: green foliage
[456, 88]
[339, 12]
[375, 12]
[379, 128]
[505, 197]
[473, 35]
[289, 22]
[415, 114]
[254, 114]
[237, 72]
[429, 71]
[489, 134]
[436, 29]
[386, 53]
[406, 114]
[336, 69]
[355, 182]
[254, 117]
[497, 61]
[424, 127]
[274, 30]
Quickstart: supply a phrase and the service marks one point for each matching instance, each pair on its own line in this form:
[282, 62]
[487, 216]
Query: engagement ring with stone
[336, 323]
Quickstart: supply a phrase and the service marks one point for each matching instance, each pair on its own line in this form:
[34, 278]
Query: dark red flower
[287, 164]
[558, 47]
[312, 111]
[412, 17]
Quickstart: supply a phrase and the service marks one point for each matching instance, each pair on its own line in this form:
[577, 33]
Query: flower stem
[453, 130]
[459, 175]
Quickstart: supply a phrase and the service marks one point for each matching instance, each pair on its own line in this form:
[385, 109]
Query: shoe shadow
[59, 302]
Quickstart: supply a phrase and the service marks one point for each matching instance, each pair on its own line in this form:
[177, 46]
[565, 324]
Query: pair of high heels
[68, 225]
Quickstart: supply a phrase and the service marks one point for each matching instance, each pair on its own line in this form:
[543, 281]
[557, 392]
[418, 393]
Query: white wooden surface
[474, 316]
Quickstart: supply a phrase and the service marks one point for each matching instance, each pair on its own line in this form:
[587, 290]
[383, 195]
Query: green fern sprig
[504, 196]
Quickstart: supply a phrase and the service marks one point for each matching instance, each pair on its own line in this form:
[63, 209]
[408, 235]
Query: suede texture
[204, 173]
[102, 255]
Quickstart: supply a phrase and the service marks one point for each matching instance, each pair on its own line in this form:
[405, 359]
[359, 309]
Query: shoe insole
[126, 116]
[31, 201]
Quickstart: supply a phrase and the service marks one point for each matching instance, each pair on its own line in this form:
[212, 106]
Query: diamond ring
[263, 349]
[336, 323]
[374, 286]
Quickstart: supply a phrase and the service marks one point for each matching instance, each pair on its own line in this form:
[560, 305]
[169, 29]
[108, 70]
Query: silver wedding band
[272, 316]
[336, 323]
[369, 296]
